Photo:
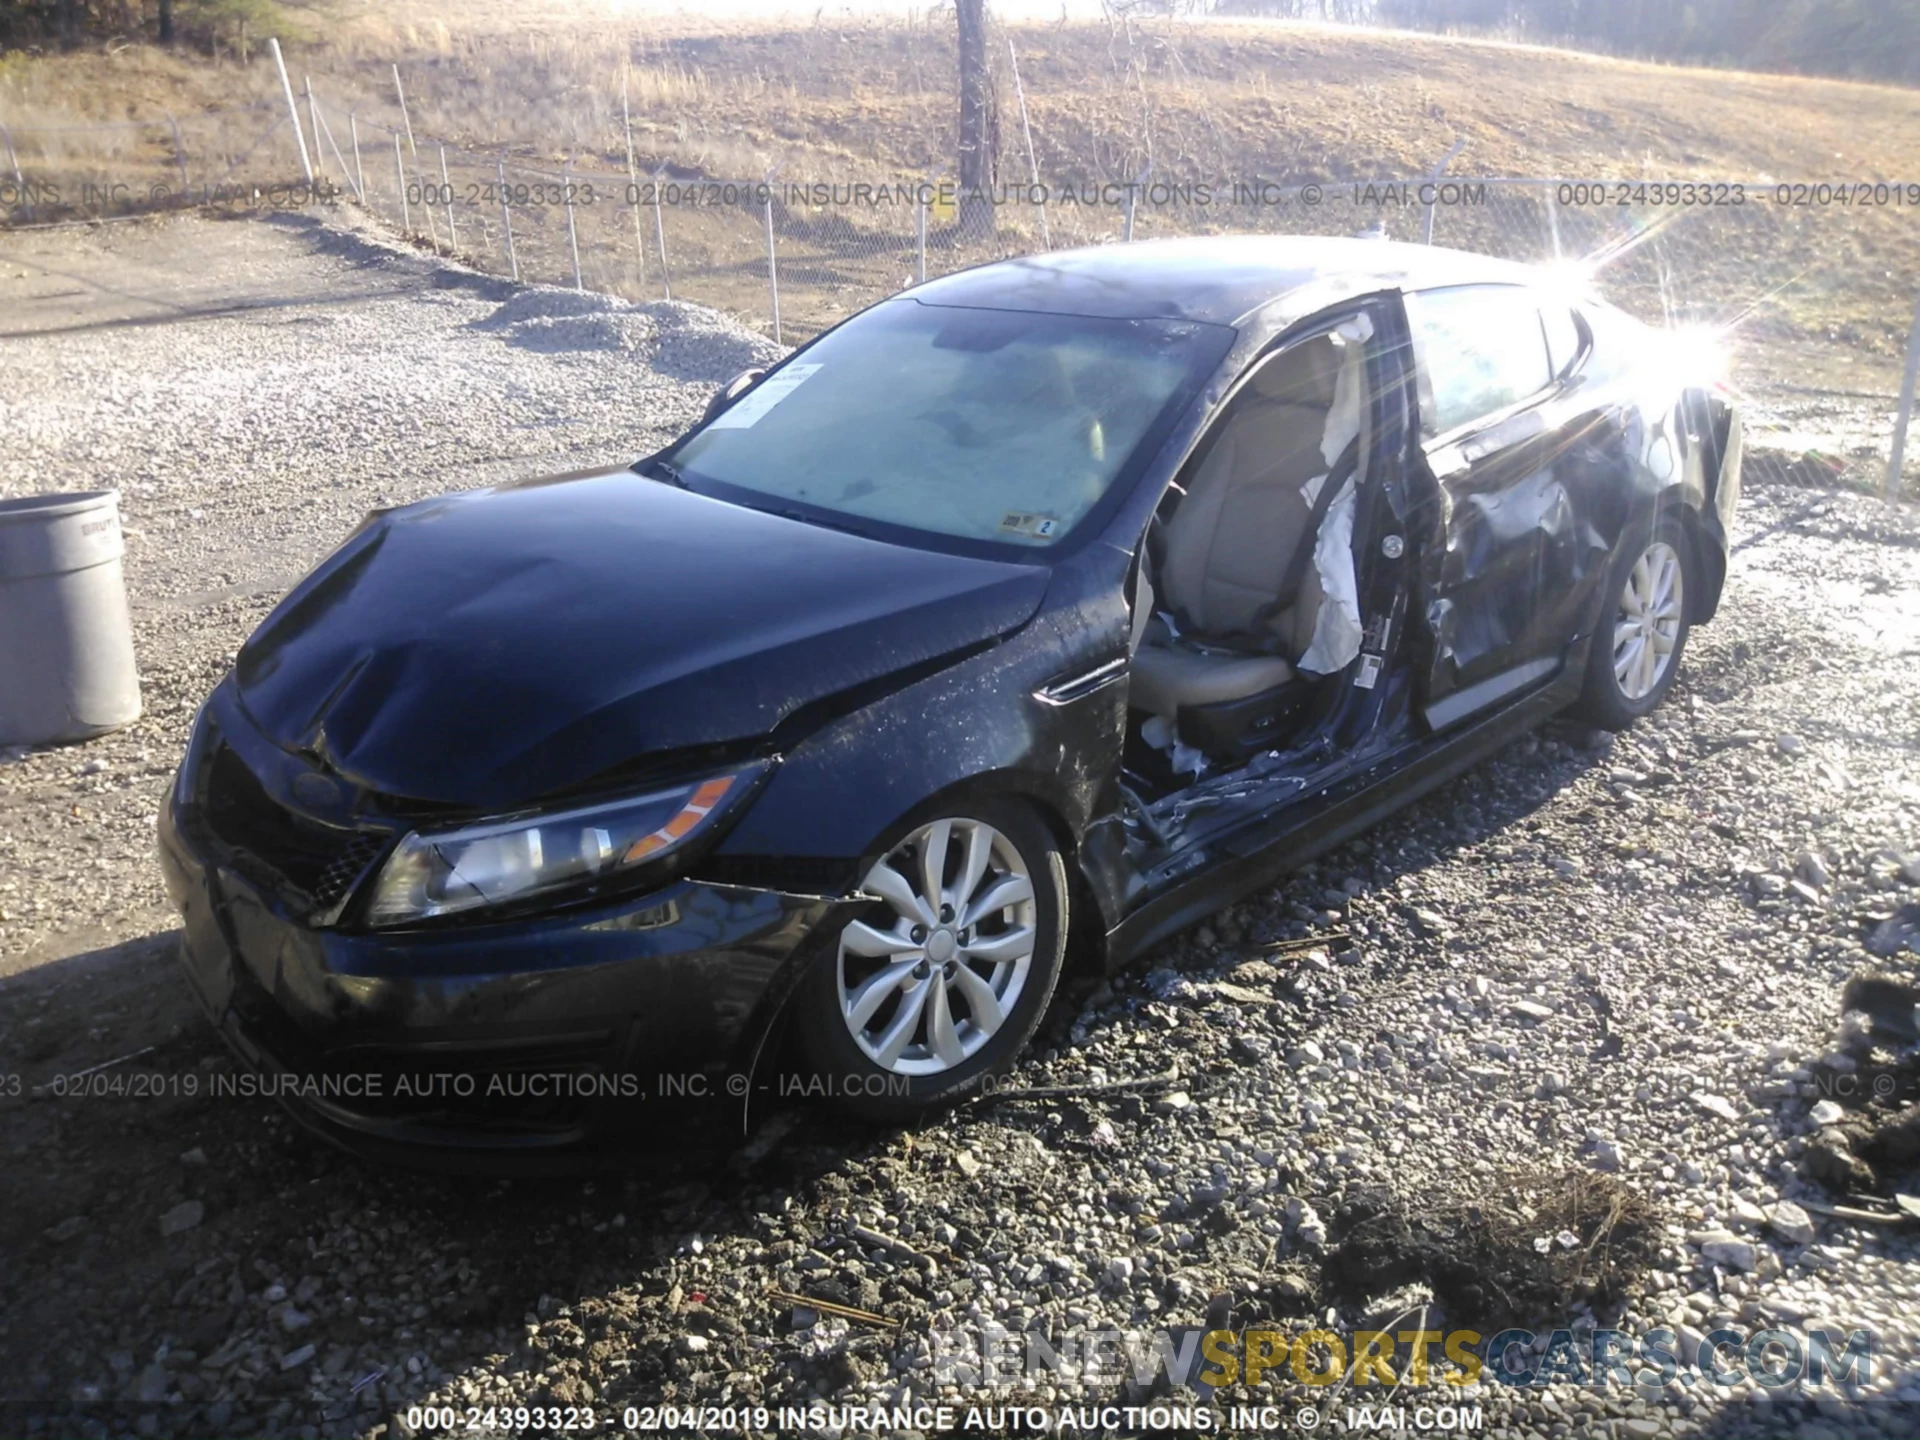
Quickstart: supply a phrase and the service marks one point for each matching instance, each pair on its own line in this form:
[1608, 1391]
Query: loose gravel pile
[1612, 959]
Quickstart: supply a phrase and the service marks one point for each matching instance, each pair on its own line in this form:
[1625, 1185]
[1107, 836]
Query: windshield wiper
[664, 470]
[806, 519]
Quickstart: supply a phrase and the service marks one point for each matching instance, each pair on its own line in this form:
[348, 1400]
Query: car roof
[1218, 279]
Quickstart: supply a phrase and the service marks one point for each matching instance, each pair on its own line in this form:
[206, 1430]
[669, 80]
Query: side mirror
[732, 391]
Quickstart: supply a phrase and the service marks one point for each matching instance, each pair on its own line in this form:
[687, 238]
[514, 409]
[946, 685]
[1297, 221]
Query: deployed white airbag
[1337, 628]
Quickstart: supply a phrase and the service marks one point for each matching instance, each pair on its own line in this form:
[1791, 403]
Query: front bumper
[538, 1043]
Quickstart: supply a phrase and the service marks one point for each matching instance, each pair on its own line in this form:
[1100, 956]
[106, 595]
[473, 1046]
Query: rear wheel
[1636, 651]
[943, 981]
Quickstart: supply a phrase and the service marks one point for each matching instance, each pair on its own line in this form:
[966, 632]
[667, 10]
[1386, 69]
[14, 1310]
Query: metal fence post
[313, 127]
[660, 236]
[406, 119]
[1553, 217]
[446, 194]
[773, 267]
[1033, 165]
[506, 220]
[633, 178]
[359, 173]
[19, 180]
[352, 177]
[920, 228]
[1426, 224]
[401, 91]
[293, 110]
[180, 156]
[1133, 196]
[573, 238]
[1897, 454]
[400, 175]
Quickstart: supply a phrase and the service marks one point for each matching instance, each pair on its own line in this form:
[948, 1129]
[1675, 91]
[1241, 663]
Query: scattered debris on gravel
[1523, 1251]
[1601, 992]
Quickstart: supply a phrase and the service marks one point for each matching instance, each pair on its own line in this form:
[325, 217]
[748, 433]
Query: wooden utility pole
[979, 121]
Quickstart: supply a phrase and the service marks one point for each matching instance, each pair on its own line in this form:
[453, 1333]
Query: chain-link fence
[1816, 283]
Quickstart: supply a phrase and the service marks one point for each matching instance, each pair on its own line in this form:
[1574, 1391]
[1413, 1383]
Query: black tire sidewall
[843, 1072]
[1601, 701]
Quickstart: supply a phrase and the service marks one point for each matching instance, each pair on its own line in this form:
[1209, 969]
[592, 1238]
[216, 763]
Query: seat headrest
[1025, 374]
[1304, 374]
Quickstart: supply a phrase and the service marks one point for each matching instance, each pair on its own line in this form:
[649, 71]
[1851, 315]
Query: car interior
[1236, 636]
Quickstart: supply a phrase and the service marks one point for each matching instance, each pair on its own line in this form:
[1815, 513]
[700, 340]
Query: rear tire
[939, 985]
[1643, 630]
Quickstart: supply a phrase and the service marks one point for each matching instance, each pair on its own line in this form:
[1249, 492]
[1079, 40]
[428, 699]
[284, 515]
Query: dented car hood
[490, 648]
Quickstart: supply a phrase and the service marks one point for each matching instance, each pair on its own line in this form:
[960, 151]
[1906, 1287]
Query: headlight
[190, 759]
[513, 860]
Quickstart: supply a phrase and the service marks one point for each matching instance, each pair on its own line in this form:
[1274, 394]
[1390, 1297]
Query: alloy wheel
[923, 994]
[1652, 607]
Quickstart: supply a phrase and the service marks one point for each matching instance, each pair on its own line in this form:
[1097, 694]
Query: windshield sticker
[754, 405]
[1040, 527]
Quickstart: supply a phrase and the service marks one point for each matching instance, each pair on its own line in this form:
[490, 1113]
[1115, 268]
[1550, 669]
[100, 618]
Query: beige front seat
[1229, 542]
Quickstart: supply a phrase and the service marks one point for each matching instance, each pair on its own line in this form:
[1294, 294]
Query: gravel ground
[253, 390]
[1615, 957]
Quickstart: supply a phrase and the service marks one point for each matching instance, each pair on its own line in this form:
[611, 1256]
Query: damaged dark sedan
[1031, 614]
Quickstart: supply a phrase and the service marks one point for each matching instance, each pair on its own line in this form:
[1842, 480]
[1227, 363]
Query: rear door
[1509, 556]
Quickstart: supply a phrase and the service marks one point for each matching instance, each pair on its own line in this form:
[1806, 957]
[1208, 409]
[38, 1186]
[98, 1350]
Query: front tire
[1637, 647]
[943, 981]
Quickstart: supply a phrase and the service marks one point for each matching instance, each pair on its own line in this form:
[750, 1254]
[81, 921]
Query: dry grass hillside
[840, 99]
[1216, 98]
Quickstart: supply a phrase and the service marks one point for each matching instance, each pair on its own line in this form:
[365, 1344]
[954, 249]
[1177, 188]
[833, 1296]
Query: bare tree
[979, 120]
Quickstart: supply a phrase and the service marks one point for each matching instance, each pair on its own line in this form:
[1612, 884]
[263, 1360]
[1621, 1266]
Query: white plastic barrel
[66, 640]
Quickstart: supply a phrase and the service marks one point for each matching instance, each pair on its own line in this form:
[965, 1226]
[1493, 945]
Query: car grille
[292, 856]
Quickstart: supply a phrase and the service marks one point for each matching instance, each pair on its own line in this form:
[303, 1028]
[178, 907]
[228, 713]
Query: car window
[1621, 344]
[1563, 337]
[996, 426]
[1482, 350]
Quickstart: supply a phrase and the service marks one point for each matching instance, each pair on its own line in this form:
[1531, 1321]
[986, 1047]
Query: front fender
[843, 793]
[1002, 720]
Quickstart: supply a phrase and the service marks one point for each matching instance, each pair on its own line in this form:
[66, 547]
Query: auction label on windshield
[1041, 527]
[754, 405]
